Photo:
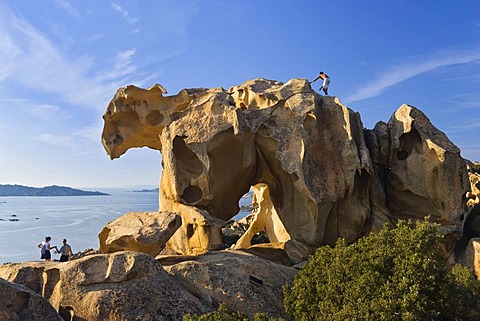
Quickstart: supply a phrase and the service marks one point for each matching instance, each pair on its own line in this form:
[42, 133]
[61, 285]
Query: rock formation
[132, 286]
[146, 232]
[242, 281]
[318, 173]
[119, 286]
[19, 303]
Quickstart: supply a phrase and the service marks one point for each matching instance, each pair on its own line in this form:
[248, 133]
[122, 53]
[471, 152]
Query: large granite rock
[427, 175]
[146, 232]
[28, 274]
[242, 281]
[318, 175]
[19, 303]
[119, 286]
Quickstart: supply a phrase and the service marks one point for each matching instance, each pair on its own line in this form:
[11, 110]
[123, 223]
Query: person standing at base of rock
[45, 248]
[326, 82]
[65, 252]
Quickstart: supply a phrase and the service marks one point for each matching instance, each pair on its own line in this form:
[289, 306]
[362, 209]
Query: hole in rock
[260, 238]
[189, 230]
[402, 155]
[154, 118]
[117, 140]
[192, 195]
[66, 312]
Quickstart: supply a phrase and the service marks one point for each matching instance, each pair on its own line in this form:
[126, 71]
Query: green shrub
[224, 314]
[396, 274]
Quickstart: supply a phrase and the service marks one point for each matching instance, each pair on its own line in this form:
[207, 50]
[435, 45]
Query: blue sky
[61, 61]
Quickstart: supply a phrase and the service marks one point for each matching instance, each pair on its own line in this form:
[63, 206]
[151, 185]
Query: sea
[25, 221]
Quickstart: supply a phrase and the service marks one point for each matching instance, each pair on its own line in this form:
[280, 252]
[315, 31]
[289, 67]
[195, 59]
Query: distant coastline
[20, 190]
[155, 190]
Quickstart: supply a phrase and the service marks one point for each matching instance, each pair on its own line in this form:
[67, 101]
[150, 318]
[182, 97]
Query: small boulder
[146, 232]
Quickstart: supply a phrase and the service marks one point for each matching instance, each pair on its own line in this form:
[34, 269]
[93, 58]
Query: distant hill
[155, 190]
[20, 190]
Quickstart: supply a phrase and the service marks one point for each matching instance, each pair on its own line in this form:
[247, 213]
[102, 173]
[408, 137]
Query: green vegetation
[396, 274]
[224, 314]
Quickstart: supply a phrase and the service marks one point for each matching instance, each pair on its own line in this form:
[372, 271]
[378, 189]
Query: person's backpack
[43, 250]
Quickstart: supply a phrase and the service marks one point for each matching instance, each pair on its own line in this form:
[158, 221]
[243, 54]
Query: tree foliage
[396, 274]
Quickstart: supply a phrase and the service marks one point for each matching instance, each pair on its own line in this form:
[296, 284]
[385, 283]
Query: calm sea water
[25, 221]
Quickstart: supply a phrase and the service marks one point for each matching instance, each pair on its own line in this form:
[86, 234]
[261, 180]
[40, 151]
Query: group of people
[45, 248]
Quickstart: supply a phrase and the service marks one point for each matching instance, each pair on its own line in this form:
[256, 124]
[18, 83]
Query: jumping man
[326, 82]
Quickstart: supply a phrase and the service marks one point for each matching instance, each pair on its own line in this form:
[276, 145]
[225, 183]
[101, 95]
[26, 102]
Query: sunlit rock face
[119, 286]
[146, 232]
[317, 173]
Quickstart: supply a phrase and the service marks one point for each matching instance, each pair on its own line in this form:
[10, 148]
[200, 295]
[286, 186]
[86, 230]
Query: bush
[224, 314]
[396, 274]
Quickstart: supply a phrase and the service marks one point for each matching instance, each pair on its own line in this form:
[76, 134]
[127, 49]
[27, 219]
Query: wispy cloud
[48, 112]
[56, 140]
[31, 60]
[473, 124]
[65, 5]
[397, 73]
[124, 13]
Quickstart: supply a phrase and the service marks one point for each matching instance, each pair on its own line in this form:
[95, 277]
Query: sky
[61, 62]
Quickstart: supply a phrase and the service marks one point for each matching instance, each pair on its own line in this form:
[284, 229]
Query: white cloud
[31, 60]
[56, 140]
[95, 37]
[65, 5]
[406, 70]
[48, 112]
[92, 134]
[473, 124]
[124, 13]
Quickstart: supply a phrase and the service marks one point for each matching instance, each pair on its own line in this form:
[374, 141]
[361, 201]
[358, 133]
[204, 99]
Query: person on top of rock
[65, 252]
[326, 82]
[45, 248]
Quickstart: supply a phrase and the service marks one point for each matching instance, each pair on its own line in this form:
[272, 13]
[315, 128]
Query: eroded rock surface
[321, 174]
[19, 303]
[242, 281]
[146, 232]
[119, 286]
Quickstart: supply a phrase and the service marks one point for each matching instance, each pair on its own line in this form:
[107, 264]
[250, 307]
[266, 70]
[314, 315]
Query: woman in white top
[45, 249]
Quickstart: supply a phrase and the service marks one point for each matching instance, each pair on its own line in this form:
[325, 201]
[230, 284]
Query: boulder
[28, 274]
[427, 176]
[19, 303]
[146, 232]
[119, 286]
[242, 281]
